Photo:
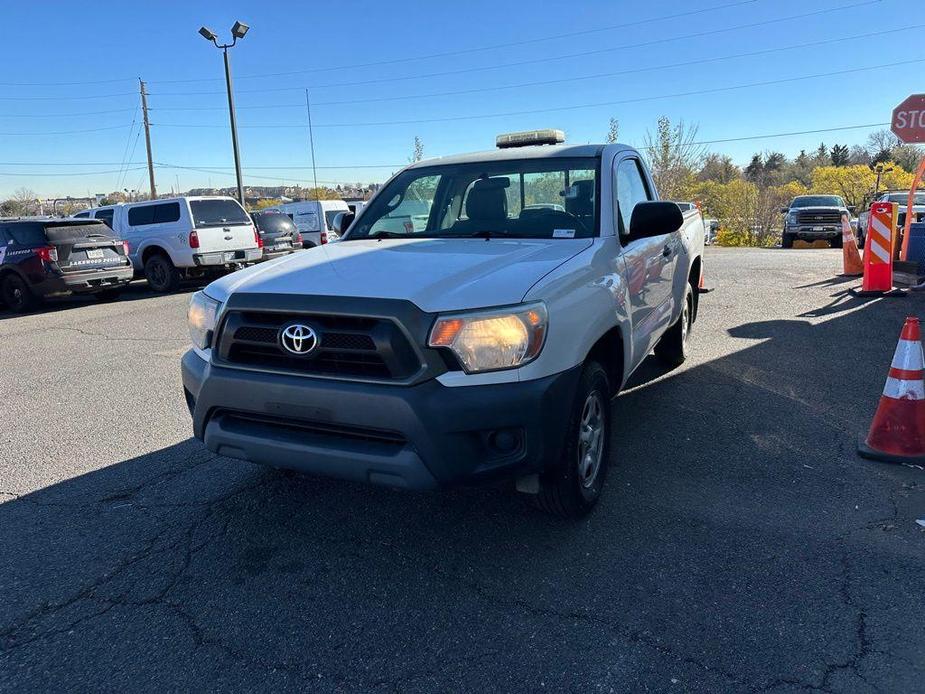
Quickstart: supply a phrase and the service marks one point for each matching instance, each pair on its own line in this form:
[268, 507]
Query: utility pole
[311, 142]
[144, 110]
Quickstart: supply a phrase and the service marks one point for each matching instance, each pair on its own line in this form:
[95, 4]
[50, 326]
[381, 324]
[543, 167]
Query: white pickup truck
[173, 238]
[483, 341]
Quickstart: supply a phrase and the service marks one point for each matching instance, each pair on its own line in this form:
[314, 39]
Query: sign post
[909, 126]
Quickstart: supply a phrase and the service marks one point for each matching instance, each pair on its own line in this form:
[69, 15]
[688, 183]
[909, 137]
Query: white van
[314, 219]
[174, 238]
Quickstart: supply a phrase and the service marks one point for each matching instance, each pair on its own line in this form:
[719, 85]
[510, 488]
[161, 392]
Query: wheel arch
[152, 250]
[609, 352]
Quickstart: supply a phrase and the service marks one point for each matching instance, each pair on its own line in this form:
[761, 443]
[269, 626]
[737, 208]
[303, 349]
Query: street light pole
[237, 31]
[234, 126]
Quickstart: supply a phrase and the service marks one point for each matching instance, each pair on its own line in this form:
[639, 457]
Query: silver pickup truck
[478, 341]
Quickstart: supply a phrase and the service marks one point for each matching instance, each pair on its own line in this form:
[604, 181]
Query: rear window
[208, 213]
[105, 216]
[62, 233]
[274, 223]
[27, 234]
[154, 214]
[329, 216]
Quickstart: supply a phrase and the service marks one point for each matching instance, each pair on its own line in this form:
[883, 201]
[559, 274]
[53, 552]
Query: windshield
[531, 198]
[818, 201]
[903, 198]
[217, 212]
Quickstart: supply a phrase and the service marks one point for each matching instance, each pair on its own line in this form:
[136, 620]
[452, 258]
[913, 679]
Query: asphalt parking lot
[741, 544]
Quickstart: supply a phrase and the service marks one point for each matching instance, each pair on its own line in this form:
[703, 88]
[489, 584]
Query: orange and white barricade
[878, 251]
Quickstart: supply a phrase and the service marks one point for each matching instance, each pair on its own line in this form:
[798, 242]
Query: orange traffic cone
[851, 258]
[702, 288]
[897, 433]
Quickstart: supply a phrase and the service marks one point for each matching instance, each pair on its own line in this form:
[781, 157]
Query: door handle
[666, 251]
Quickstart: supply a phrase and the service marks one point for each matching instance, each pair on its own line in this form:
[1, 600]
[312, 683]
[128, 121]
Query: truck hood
[434, 274]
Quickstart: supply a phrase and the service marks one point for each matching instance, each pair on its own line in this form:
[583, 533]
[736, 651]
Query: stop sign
[909, 119]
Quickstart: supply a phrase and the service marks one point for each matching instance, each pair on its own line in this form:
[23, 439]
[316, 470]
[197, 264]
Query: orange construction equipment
[878, 253]
[851, 258]
[897, 433]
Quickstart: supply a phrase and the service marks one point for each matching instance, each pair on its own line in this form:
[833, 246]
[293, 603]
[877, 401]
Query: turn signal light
[126, 248]
[193, 239]
[257, 238]
[324, 237]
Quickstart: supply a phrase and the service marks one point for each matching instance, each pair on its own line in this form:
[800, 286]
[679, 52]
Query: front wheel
[672, 346]
[836, 242]
[571, 486]
[16, 294]
[786, 241]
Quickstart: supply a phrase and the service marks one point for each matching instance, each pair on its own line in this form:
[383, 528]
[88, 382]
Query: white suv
[173, 238]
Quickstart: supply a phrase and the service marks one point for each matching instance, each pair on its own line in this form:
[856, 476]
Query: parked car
[710, 229]
[484, 344]
[171, 239]
[277, 232]
[314, 219]
[47, 258]
[814, 217]
[901, 197]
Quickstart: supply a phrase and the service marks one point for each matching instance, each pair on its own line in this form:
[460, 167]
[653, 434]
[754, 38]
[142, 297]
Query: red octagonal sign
[909, 119]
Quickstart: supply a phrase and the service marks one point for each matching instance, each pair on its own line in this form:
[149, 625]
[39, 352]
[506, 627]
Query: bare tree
[613, 132]
[882, 140]
[418, 152]
[21, 203]
[674, 157]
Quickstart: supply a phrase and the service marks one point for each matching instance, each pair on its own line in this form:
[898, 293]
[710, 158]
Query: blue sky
[363, 61]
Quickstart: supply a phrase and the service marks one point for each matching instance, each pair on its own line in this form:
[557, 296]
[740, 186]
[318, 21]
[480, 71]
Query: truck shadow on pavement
[740, 545]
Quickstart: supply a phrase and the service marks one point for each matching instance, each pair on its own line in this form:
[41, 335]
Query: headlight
[493, 340]
[791, 219]
[201, 317]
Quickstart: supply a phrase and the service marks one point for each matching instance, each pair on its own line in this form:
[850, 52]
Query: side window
[631, 189]
[154, 214]
[85, 213]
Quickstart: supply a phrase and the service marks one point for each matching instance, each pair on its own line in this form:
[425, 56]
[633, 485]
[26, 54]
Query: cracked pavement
[741, 544]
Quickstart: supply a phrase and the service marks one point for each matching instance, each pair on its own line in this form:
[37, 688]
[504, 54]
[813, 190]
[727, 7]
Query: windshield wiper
[388, 235]
[496, 234]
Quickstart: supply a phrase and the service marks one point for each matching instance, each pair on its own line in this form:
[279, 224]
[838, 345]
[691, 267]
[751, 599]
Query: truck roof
[534, 152]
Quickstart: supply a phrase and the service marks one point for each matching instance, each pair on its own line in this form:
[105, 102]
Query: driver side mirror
[784, 210]
[655, 219]
[342, 222]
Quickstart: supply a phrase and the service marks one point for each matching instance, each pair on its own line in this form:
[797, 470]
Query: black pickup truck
[814, 217]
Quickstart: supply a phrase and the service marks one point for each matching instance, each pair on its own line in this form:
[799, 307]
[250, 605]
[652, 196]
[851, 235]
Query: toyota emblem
[298, 339]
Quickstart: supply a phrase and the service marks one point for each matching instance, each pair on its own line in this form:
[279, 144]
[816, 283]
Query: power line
[63, 132]
[65, 98]
[573, 107]
[573, 78]
[69, 173]
[535, 61]
[466, 51]
[65, 115]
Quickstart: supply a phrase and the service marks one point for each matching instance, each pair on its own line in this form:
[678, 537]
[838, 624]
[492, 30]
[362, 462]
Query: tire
[672, 347]
[786, 241]
[161, 274]
[15, 293]
[571, 486]
[836, 242]
[109, 294]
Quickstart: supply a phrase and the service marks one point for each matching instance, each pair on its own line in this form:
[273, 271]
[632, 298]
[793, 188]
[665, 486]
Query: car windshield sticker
[563, 233]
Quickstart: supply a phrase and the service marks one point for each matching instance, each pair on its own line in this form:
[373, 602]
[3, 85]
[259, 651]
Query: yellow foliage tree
[856, 183]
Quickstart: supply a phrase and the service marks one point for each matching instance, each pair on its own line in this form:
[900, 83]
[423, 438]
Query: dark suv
[278, 233]
[58, 257]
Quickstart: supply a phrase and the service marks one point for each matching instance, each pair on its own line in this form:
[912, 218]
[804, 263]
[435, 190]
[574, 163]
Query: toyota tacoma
[471, 325]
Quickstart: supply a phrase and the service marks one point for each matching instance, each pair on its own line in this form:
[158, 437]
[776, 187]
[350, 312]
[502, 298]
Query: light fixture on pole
[238, 31]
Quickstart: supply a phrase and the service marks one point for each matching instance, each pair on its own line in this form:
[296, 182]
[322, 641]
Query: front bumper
[808, 232]
[251, 255]
[418, 437]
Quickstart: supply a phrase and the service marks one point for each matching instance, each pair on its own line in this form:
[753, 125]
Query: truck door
[650, 262]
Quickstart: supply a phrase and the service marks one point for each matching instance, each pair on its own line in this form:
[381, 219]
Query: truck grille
[349, 346]
[819, 217]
